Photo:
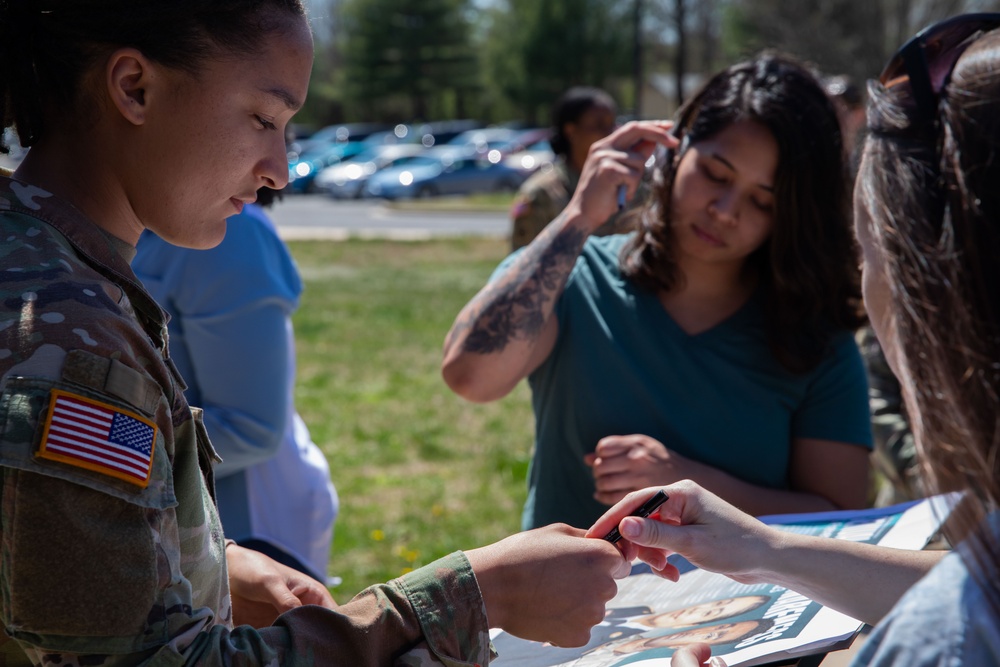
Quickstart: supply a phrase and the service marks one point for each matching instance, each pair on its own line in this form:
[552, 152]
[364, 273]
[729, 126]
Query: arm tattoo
[513, 307]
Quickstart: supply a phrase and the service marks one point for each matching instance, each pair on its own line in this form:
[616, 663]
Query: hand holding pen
[644, 510]
[615, 167]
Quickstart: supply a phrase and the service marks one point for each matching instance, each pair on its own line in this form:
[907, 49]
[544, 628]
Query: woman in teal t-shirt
[714, 343]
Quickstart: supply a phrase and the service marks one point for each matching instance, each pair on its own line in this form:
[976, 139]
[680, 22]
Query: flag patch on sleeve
[96, 436]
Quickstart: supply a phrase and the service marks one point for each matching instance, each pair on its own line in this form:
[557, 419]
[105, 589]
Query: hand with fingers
[695, 523]
[625, 463]
[696, 655]
[617, 160]
[262, 588]
[548, 584]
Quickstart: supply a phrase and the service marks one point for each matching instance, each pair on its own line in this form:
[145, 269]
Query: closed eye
[264, 123]
[715, 178]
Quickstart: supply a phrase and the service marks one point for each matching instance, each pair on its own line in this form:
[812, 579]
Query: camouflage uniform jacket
[543, 197]
[111, 563]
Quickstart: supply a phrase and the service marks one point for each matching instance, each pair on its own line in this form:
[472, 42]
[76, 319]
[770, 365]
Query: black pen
[644, 510]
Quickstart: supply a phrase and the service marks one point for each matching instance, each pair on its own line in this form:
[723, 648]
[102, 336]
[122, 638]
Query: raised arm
[507, 330]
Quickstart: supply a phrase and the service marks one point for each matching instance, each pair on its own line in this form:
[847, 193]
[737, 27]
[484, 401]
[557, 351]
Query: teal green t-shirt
[621, 365]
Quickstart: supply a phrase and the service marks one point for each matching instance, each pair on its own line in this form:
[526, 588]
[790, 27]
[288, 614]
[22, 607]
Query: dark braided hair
[570, 107]
[47, 46]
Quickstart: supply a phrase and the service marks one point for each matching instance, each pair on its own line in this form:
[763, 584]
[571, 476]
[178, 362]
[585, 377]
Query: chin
[213, 236]
[199, 237]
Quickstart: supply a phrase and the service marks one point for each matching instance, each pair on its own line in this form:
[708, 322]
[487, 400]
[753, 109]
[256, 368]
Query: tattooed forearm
[515, 305]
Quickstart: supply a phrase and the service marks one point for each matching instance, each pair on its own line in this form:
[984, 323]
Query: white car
[346, 180]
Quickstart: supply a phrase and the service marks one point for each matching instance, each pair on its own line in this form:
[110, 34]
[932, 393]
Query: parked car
[346, 179]
[444, 170]
[302, 171]
[538, 155]
[437, 133]
[485, 139]
[333, 134]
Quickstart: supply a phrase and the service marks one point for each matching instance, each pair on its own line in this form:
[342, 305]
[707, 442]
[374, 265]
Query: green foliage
[838, 36]
[420, 472]
[409, 59]
[536, 49]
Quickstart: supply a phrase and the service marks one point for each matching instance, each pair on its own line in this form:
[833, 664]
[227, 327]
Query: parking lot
[320, 217]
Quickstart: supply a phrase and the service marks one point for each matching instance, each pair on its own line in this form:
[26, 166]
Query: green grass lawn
[420, 471]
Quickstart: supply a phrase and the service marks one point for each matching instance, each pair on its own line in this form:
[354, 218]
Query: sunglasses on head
[926, 61]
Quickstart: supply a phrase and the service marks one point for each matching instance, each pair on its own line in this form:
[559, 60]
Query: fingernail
[630, 528]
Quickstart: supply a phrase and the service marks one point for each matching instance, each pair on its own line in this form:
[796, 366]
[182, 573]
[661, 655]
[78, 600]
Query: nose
[272, 170]
[726, 207]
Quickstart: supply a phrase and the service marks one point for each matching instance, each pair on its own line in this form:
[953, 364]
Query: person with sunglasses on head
[927, 212]
[713, 343]
[169, 116]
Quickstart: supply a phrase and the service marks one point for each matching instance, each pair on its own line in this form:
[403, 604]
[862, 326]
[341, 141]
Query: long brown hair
[930, 191]
[808, 267]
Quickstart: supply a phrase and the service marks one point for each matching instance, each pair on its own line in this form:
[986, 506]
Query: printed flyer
[746, 624]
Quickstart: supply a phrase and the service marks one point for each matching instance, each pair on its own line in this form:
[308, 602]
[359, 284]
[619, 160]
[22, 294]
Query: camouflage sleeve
[112, 553]
[531, 211]
[86, 580]
[432, 616]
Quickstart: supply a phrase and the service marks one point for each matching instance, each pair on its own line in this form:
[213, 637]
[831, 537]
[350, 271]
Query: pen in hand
[643, 511]
[622, 190]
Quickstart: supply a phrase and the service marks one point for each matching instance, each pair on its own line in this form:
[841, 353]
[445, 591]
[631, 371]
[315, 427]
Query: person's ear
[127, 76]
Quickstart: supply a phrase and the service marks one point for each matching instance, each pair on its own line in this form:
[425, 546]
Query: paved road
[320, 217]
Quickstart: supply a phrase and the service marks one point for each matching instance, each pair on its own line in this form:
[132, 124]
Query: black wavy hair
[808, 268]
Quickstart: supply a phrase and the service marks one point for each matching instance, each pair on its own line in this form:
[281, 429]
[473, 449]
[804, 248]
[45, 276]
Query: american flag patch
[96, 436]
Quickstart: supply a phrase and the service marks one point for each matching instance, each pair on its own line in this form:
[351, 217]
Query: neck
[706, 295]
[72, 169]
[713, 282]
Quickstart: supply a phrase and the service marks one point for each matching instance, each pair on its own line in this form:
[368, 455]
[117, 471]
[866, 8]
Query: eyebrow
[290, 100]
[768, 188]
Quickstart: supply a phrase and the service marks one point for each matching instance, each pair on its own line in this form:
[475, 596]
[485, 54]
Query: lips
[707, 236]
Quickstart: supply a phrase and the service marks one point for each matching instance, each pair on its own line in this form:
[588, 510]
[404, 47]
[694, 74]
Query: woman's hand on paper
[696, 524]
[696, 655]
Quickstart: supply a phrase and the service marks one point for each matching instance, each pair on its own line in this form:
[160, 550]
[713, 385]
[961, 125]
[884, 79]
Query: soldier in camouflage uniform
[579, 118]
[112, 551]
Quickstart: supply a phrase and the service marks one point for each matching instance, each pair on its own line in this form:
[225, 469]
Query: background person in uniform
[231, 338]
[579, 118]
[142, 115]
[715, 343]
[926, 213]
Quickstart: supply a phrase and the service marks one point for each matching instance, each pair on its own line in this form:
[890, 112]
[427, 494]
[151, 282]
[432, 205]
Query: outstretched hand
[548, 584]
[696, 524]
[261, 588]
